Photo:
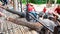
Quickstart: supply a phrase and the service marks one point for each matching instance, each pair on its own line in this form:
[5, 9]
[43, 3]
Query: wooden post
[15, 5]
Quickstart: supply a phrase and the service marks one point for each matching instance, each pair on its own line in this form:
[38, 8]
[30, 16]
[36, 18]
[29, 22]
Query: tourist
[44, 9]
[57, 10]
[31, 10]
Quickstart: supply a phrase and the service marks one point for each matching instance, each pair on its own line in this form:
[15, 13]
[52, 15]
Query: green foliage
[37, 1]
[58, 1]
[24, 1]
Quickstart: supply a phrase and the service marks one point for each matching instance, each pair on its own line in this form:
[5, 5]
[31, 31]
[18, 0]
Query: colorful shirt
[44, 10]
[58, 10]
[30, 8]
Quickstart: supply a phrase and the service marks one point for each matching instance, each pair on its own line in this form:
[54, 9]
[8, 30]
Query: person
[51, 22]
[32, 10]
[55, 19]
[27, 15]
[57, 10]
[49, 4]
[44, 9]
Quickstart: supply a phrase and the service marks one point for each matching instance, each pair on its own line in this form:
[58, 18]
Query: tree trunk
[15, 5]
[21, 5]
[35, 26]
[55, 2]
